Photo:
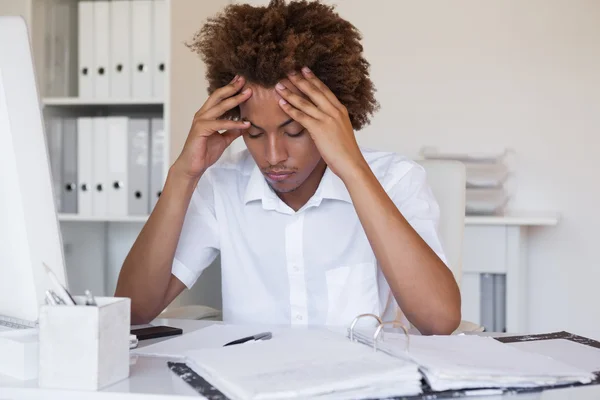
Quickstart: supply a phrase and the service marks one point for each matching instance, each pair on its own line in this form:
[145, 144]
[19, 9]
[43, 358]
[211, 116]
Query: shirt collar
[331, 187]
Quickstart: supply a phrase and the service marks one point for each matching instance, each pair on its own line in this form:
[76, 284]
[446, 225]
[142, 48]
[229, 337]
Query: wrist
[355, 171]
[179, 178]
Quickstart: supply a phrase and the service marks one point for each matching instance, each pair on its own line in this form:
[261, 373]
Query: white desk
[498, 245]
[151, 379]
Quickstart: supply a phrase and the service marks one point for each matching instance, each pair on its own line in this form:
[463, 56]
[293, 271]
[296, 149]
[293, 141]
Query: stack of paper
[304, 364]
[462, 362]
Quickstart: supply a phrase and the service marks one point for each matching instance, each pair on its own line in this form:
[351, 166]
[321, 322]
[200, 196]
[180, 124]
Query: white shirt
[314, 266]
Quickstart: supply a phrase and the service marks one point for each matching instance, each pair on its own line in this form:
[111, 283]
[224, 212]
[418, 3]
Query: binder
[100, 166]
[120, 44]
[117, 166]
[487, 302]
[141, 35]
[159, 55]
[101, 49]
[157, 157]
[85, 153]
[138, 155]
[55, 145]
[69, 166]
[86, 49]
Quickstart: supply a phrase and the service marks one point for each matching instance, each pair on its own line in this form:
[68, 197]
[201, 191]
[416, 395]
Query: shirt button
[295, 268]
[299, 317]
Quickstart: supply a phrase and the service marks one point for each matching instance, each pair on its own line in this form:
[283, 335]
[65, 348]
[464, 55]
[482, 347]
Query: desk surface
[151, 379]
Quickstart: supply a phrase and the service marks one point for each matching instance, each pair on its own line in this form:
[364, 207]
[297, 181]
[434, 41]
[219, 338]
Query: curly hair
[263, 44]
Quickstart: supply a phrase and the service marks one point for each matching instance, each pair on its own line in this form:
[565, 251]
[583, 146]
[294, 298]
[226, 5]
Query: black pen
[259, 336]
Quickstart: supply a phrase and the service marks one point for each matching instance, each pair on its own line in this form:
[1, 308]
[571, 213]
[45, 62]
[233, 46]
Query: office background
[464, 76]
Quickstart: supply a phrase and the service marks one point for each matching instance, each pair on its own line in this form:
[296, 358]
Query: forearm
[146, 272]
[421, 283]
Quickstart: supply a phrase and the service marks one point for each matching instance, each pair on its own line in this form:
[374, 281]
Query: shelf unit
[95, 247]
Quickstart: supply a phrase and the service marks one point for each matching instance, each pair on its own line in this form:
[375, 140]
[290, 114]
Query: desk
[151, 379]
[498, 245]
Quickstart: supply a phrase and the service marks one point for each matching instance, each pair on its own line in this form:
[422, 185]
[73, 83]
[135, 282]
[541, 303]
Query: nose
[276, 151]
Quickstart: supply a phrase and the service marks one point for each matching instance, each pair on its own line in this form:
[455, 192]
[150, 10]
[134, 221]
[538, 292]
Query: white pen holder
[84, 347]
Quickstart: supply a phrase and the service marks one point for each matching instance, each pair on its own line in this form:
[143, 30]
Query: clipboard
[207, 390]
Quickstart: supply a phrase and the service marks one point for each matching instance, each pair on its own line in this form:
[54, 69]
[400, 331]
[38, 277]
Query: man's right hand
[204, 144]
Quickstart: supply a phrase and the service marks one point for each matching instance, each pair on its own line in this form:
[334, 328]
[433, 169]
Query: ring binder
[379, 330]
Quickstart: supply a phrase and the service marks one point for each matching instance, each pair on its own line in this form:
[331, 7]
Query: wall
[478, 76]
[472, 75]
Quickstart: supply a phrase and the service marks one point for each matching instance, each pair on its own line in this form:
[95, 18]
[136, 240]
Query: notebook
[470, 362]
[306, 364]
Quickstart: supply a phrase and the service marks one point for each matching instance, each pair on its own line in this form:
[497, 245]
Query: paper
[213, 336]
[576, 354]
[304, 364]
[457, 362]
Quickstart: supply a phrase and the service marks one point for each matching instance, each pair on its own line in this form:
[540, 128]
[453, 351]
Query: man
[311, 229]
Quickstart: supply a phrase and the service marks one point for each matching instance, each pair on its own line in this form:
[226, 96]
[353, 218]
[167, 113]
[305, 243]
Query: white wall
[482, 75]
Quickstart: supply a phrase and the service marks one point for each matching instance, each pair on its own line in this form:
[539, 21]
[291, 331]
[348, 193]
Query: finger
[303, 119]
[210, 127]
[299, 102]
[312, 78]
[227, 104]
[222, 93]
[314, 94]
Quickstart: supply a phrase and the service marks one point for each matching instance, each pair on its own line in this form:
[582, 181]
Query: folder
[100, 166]
[159, 54]
[69, 166]
[101, 49]
[86, 49]
[120, 44]
[138, 166]
[141, 35]
[117, 166]
[55, 135]
[157, 158]
[85, 153]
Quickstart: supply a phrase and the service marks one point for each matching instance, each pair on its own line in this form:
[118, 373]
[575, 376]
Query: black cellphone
[154, 332]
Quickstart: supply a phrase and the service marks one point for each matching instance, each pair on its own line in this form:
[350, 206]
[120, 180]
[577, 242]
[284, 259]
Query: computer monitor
[29, 227]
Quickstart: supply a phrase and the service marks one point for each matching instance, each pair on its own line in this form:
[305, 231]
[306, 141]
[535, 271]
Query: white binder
[157, 158]
[120, 44]
[138, 166]
[101, 49]
[85, 154]
[141, 35]
[159, 54]
[69, 166]
[86, 49]
[117, 166]
[100, 169]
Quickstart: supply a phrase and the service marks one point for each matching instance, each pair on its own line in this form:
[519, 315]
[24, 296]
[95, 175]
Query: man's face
[280, 146]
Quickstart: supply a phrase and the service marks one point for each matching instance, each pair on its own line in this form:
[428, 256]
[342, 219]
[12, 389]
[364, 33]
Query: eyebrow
[289, 121]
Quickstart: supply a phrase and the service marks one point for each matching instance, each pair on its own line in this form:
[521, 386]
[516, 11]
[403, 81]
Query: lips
[279, 175]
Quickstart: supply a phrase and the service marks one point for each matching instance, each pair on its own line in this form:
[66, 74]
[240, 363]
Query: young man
[311, 229]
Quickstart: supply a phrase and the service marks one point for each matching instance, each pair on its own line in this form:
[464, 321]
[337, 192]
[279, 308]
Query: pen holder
[84, 347]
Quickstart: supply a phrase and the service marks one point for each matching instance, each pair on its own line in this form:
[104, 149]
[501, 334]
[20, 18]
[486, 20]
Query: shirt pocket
[351, 290]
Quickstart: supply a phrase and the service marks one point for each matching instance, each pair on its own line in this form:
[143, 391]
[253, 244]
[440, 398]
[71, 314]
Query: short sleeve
[198, 244]
[406, 184]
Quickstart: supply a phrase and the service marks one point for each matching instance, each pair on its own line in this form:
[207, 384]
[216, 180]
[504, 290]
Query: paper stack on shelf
[486, 176]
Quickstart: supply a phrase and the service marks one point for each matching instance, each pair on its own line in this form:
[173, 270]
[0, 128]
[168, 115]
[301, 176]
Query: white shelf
[76, 101]
[515, 218]
[92, 218]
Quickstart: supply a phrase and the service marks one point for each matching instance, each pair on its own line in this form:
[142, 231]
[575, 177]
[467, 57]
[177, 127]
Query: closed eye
[296, 134]
[254, 135]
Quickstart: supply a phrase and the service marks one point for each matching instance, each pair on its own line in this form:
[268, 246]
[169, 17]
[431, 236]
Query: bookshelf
[96, 246]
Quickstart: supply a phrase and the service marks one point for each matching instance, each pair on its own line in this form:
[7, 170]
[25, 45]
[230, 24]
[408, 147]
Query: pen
[259, 336]
[62, 292]
[50, 299]
[89, 299]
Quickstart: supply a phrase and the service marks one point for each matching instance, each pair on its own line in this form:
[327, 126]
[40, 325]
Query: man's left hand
[325, 118]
